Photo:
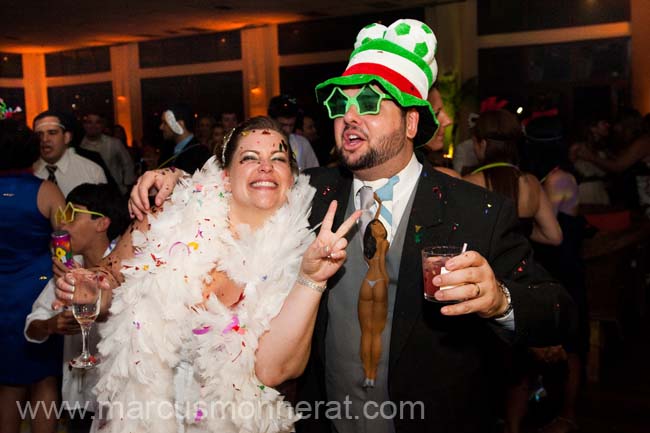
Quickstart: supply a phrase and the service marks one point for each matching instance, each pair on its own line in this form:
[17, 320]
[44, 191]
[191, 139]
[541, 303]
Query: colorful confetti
[198, 416]
[136, 324]
[418, 238]
[455, 226]
[178, 244]
[437, 192]
[193, 245]
[327, 190]
[234, 322]
[202, 330]
[417, 228]
[198, 188]
[159, 262]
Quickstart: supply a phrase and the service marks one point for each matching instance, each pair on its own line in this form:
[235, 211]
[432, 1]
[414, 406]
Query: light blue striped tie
[385, 194]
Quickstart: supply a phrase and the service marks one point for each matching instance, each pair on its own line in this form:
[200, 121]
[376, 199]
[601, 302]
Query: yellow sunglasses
[67, 214]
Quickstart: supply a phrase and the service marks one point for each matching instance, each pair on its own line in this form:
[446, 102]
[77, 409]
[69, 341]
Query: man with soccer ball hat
[384, 359]
[375, 352]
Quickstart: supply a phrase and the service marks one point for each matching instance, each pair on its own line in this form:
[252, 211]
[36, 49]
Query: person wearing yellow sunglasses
[93, 235]
[229, 263]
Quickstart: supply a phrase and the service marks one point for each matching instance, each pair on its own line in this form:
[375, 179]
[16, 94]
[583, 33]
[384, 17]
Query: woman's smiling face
[260, 173]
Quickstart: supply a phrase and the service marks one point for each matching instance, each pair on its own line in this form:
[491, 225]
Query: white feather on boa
[155, 322]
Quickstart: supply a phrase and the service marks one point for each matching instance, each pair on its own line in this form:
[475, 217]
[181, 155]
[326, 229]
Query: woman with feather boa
[218, 297]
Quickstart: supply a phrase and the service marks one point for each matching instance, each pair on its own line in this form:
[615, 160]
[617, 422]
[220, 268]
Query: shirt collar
[181, 144]
[62, 165]
[406, 177]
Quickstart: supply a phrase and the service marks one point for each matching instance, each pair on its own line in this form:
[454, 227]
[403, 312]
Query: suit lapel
[421, 231]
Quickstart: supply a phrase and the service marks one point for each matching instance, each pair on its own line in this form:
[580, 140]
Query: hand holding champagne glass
[85, 308]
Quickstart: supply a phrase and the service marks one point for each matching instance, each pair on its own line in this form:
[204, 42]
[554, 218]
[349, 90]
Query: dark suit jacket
[191, 158]
[447, 363]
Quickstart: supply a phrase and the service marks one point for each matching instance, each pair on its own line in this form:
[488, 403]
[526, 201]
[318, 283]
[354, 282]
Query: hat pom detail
[370, 32]
[416, 37]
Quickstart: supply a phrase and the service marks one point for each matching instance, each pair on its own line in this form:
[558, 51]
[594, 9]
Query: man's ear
[103, 224]
[67, 137]
[412, 119]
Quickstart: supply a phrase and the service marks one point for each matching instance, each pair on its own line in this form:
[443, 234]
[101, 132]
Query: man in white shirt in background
[112, 151]
[58, 162]
[284, 109]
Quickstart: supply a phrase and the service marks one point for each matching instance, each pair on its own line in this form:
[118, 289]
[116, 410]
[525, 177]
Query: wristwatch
[506, 292]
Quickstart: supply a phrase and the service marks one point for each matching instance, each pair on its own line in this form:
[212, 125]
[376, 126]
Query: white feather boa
[155, 322]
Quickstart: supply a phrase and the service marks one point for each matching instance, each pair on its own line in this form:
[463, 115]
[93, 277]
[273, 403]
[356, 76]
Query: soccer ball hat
[399, 58]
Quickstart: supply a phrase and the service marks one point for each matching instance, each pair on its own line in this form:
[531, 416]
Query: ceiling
[37, 26]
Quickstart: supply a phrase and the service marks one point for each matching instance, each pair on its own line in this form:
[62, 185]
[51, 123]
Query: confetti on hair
[193, 245]
[244, 133]
[7, 113]
[455, 226]
[198, 416]
[418, 238]
[202, 330]
[198, 188]
[417, 228]
[437, 192]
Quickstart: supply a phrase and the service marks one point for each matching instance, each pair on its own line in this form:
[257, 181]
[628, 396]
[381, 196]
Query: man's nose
[351, 115]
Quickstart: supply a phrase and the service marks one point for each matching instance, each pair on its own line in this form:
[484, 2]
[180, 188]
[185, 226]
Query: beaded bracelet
[304, 281]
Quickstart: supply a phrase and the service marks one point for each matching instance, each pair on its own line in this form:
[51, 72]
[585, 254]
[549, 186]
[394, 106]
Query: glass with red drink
[433, 263]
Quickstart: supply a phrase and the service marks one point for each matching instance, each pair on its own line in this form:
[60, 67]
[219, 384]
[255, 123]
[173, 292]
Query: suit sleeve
[544, 311]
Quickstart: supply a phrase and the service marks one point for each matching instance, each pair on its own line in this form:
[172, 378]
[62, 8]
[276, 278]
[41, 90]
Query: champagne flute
[85, 308]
